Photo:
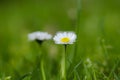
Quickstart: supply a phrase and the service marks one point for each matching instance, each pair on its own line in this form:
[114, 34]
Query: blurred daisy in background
[65, 38]
[39, 36]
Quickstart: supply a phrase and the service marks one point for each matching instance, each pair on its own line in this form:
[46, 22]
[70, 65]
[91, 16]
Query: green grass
[94, 56]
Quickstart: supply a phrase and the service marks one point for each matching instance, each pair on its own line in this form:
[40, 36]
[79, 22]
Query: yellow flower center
[65, 39]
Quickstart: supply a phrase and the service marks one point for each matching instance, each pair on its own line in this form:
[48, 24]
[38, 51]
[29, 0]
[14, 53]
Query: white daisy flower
[65, 38]
[39, 36]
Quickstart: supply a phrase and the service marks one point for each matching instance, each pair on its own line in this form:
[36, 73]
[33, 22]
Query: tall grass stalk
[77, 27]
[78, 16]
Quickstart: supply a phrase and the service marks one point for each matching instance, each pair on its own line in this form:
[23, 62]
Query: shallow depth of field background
[98, 38]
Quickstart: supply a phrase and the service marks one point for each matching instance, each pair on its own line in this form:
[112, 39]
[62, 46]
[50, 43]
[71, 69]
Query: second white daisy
[65, 38]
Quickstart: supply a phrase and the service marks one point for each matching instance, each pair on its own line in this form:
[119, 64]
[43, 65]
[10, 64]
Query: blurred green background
[98, 31]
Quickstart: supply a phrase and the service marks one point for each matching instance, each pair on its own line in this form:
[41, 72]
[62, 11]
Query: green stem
[42, 70]
[63, 65]
[42, 60]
